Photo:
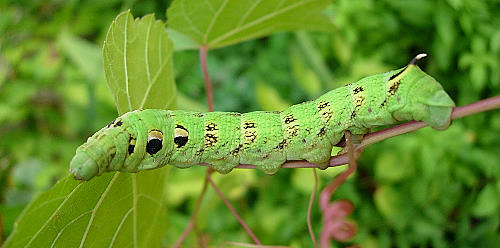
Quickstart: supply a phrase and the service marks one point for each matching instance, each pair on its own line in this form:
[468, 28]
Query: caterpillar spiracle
[151, 138]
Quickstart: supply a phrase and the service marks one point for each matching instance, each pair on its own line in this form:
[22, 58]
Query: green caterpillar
[151, 138]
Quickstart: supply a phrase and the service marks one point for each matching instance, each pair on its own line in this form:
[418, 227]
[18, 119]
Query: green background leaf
[216, 23]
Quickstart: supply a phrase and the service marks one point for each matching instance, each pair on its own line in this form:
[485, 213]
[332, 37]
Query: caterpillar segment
[151, 138]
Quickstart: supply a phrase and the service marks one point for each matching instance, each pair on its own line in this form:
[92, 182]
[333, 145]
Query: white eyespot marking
[180, 136]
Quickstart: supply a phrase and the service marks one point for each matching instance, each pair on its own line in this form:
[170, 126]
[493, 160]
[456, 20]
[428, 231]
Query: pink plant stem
[195, 212]
[206, 77]
[326, 194]
[459, 112]
[236, 215]
[352, 155]
[309, 209]
[208, 86]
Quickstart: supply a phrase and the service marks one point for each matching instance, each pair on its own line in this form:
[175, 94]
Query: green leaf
[181, 41]
[115, 209]
[269, 98]
[487, 203]
[394, 206]
[217, 23]
[138, 63]
[84, 54]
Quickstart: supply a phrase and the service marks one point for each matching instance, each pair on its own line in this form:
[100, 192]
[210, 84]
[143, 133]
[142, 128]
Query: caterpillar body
[151, 138]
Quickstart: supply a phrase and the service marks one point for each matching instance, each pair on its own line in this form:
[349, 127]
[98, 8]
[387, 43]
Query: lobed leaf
[138, 63]
[218, 23]
[115, 209]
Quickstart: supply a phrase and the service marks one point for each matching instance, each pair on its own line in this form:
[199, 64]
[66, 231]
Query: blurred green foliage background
[426, 188]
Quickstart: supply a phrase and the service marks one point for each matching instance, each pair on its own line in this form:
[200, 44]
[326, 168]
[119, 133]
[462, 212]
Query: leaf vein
[94, 210]
[52, 216]
[257, 21]
[212, 22]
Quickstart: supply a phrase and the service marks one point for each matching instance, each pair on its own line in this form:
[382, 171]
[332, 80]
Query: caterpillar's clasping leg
[355, 140]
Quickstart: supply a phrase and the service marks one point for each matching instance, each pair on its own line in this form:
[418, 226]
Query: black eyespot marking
[180, 135]
[180, 141]
[181, 127]
[384, 103]
[131, 145]
[155, 138]
[153, 146]
[397, 74]
[118, 123]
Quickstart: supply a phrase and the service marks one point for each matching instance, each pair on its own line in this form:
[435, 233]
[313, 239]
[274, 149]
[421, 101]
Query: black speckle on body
[322, 105]
[211, 139]
[358, 90]
[322, 132]
[289, 119]
[248, 124]
[394, 87]
[282, 144]
[211, 127]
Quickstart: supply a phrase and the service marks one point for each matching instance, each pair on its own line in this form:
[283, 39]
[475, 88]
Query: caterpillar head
[132, 142]
[427, 101]
[97, 154]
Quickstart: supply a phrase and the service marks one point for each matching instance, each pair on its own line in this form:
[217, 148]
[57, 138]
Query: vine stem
[210, 101]
[195, 212]
[208, 179]
[326, 194]
[206, 77]
[309, 209]
[371, 138]
[236, 215]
